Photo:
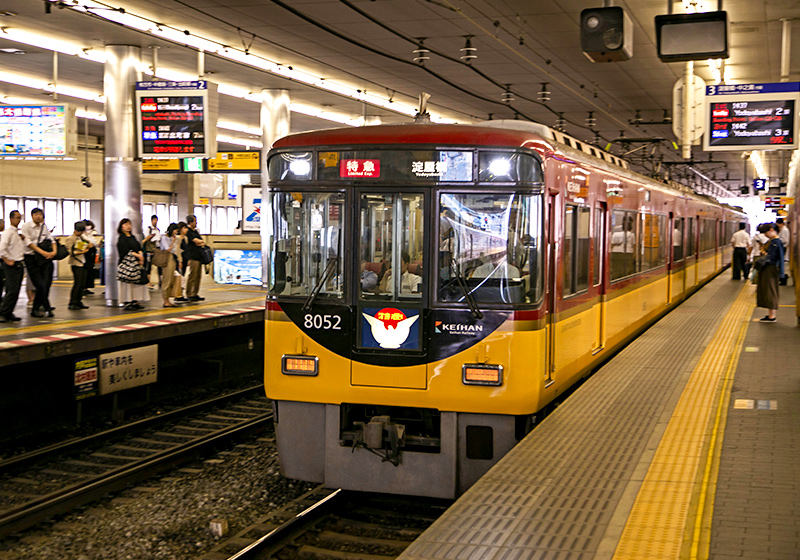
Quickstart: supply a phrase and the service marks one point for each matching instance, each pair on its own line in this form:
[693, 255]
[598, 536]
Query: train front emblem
[390, 328]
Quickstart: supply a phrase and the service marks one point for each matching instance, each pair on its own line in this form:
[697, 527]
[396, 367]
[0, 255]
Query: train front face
[404, 333]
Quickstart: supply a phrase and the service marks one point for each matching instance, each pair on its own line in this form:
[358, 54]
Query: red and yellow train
[433, 287]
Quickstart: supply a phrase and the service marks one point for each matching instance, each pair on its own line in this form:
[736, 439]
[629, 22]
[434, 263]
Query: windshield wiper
[332, 265]
[473, 307]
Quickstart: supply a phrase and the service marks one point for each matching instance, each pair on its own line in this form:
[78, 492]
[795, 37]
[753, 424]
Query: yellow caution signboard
[786, 200]
[235, 161]
[163, 165]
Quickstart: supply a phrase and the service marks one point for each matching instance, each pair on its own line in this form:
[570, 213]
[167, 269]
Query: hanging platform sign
[752, 117]
[177, 119]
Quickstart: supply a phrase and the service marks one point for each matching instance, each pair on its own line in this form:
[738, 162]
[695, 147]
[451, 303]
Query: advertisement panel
[251, 209]
[38, 131]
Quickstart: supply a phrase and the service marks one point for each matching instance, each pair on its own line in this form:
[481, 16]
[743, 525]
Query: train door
[553, 238]
[599, 272]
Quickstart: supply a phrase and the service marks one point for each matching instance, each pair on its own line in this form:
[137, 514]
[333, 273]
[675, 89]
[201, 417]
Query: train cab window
[391, 246]
[677, 240]
[576, 249]
[304, 245]
[490, 248]
[623, 244]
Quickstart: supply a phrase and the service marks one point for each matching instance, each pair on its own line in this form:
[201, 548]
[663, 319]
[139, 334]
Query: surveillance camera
[86, 182]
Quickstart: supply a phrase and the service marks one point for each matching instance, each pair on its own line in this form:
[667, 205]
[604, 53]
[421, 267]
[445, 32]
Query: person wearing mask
[784, 235]
[767, 292]
[91, 256]
[171, 241]
[39, 262]
[741, 245]
[191, 254]
[12, 255]
[130, 294]
[78, 247]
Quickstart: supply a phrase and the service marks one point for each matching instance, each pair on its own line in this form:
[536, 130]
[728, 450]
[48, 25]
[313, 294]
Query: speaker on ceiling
[606, 34]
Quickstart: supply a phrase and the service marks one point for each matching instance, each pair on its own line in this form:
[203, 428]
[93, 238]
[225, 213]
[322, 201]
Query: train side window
[677, 240]
[652, 241]
[599, 244]
[577, 237]
[623, 244]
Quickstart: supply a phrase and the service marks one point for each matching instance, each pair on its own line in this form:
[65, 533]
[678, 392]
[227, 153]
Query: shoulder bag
[161, 258]
[129, 270]
[61, 252]
[206, 255]
[763, 260]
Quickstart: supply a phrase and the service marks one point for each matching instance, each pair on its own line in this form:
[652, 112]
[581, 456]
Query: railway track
[334, 524]
[59, 478]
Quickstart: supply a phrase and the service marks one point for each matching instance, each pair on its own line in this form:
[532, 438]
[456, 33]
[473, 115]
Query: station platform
[101, 327]
[684, 445]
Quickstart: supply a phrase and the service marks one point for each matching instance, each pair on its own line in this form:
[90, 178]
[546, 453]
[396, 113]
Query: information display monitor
[752, 117]
[176, 119]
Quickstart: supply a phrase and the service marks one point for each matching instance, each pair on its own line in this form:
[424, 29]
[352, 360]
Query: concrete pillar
[123, 187]
[275, 121]
[184, 191]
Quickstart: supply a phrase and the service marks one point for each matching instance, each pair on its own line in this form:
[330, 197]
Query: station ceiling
[330, 53]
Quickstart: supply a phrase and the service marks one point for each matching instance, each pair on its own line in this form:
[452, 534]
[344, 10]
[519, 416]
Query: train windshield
[490, 246]
[391, 246]
[305, 244]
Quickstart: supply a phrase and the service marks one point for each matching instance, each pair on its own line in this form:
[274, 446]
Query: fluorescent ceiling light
[240, 141]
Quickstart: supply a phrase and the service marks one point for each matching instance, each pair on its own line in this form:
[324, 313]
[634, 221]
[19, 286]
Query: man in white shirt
[500, 270]
[741, 246]
[410, 283]
[39, 262]
[623, 243]
[784, 235]
[12, 254]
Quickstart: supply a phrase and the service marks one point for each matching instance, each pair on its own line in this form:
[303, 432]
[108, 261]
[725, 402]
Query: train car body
[433, 287]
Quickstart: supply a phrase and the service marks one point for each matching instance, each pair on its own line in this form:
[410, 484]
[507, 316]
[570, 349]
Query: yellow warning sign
[161, 165]
[235, 161]
[787, 200]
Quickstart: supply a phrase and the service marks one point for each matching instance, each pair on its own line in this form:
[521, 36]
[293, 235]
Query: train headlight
[299, 365]
[500, 167]
[482, 374]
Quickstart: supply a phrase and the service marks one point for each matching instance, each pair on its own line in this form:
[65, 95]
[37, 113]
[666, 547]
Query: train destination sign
[752, 116]
[38, 131]
[176, 119]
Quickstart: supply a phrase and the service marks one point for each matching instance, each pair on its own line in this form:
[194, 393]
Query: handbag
[129, 270]
[763, 260]
[61, 252]
[206, 255]
[161, 258]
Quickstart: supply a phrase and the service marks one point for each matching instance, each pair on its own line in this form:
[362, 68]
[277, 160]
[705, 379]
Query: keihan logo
[456, 328]
[390, 327]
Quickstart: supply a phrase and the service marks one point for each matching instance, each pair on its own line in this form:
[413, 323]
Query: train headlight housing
[482, 374]
[299, 365]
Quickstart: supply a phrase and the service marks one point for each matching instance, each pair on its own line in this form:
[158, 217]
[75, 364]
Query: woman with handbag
[130, 269]
[78, 246]
[171, 278]
[770, 270]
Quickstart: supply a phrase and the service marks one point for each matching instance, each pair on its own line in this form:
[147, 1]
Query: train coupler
[380, 433]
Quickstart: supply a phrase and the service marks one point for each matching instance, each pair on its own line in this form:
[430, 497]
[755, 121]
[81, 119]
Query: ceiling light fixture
[544, 93]
[508, 95]
[468, 51]
[560, 123]
[590, 120]
[421, 53]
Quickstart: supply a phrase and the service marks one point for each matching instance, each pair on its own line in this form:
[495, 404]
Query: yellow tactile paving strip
[670, 518]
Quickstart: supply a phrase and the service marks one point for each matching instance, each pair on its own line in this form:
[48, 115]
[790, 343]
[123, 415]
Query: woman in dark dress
[768, 276]
[130, 294]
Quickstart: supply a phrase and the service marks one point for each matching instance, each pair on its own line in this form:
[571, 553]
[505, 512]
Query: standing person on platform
[768, 276]
[2, 275]
[741, 245]
[78, 247]
[130, 294]
[91, 256]
[171, 241]
[151, 241]
[784, 235]
[191, 256]
[12, 255]
[39, 262]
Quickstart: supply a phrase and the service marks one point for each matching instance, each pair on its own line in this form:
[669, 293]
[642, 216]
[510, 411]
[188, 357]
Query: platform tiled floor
[568, 490]
[98, 314]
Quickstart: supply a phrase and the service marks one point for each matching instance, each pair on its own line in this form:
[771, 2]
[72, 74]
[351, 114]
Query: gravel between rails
[167, 517]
